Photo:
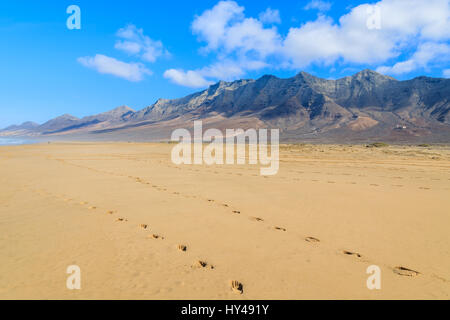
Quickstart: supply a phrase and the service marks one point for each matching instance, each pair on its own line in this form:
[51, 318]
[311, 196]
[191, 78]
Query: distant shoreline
[15, 142]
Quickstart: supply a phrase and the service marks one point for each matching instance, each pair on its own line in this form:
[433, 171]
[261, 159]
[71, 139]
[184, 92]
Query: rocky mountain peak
[365, 104]
[371, 76]
[65, 116]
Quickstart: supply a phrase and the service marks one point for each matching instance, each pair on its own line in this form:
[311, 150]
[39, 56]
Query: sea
[14, 141]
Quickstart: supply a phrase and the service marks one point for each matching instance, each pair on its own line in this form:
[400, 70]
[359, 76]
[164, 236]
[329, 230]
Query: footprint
[280, 229]
[257, 219]
[121, 220]
[143, 226]
[111, 212]
[312, 239]
[349, 253]
[402, 271]
[92, 208]
[439, 278]
[182, 248]
[237, 212]
[156, 236]
[237, 287]
[201, 265]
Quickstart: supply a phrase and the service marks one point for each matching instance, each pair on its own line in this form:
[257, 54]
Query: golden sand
[140, 227]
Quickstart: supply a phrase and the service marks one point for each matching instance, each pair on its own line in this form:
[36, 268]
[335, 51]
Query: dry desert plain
[122, 212]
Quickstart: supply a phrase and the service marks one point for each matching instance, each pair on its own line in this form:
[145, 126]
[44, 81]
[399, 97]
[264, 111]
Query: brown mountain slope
[365, 106]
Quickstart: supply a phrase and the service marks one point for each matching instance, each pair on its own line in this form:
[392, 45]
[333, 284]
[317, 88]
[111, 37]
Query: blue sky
[134, 52]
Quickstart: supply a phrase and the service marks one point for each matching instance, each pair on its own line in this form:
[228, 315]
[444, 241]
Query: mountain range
[364, 107]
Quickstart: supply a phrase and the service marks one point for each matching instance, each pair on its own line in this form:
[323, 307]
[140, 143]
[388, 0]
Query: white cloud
[128, 46]
[404, 25]
[428, 53]
[223, 70]
[270, 16]
[212, 25]
[135, 42]
[427, 20]
[322, 41]
[226, 29]
[446, 73]
[103, 64]
[191, 79]
[250, 37]
[231, 69]
[318, 5]
[241, 44]
[416, 29]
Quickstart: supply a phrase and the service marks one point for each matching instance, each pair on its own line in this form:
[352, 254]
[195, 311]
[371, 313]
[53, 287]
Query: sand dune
[140, 227]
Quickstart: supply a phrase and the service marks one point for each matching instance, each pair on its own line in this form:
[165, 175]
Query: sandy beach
[141, 227]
